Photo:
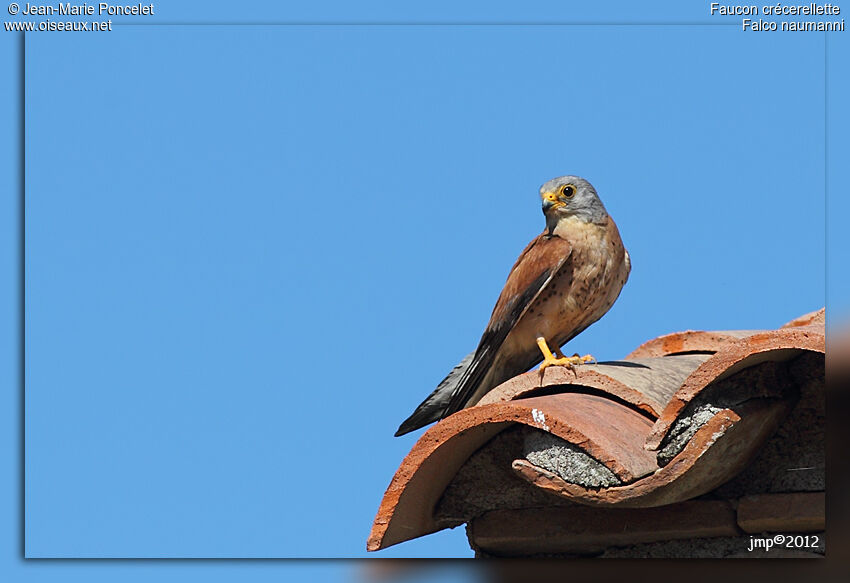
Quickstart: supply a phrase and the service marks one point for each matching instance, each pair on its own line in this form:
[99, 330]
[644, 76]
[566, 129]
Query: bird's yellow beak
[551, 201]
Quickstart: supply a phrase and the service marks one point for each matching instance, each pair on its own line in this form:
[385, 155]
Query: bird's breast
[585, 287]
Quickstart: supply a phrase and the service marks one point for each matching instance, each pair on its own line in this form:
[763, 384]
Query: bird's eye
[569, 190]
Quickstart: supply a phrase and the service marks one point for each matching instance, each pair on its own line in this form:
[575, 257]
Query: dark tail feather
[434, 406]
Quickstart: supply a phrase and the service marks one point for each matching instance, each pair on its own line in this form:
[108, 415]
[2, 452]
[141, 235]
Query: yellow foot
[568, 361]
[584, 359]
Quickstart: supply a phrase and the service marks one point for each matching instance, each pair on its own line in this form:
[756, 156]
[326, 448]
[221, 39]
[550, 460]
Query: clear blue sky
[252, 250]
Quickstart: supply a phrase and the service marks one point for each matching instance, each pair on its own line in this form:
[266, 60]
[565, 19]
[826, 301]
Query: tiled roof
[679, 417]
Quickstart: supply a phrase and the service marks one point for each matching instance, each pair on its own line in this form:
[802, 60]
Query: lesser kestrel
[565, 280]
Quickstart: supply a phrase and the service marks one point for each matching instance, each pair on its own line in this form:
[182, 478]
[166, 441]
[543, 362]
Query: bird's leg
[568, 361]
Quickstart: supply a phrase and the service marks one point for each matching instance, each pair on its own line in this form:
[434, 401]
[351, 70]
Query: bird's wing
[536, 267]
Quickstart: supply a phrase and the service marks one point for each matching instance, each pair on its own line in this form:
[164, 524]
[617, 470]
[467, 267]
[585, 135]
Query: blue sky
[252, 250]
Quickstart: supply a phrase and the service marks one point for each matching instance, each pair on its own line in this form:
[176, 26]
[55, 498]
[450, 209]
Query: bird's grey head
[571, 196]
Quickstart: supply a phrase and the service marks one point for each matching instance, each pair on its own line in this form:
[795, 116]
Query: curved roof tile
[717, 451]
[607, 431]
[645, 383]
[622, 414]
[775, 345]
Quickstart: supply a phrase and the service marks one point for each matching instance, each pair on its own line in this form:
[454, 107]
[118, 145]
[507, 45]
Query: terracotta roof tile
[817, 318]
[539, 531]
[792, 512]
[645, 383]
[689, 341]
[608, 432]
[775, 345]
[716, 452]
[680, 416]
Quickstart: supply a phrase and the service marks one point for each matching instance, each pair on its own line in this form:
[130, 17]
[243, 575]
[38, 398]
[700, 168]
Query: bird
[565, 279]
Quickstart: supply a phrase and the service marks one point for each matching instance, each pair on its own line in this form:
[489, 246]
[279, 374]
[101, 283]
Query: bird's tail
[434, 406]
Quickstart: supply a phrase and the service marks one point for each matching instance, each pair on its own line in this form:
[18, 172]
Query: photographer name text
[86, 9]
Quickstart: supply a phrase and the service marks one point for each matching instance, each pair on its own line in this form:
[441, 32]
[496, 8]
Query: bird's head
[571, 197]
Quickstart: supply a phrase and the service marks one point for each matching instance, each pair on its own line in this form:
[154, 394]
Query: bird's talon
[568, 361]
[550, 359]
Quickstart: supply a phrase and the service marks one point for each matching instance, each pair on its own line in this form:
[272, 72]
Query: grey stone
[560, 457]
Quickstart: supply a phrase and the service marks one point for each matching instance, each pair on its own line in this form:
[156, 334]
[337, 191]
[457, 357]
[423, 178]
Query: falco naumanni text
[564, 281]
